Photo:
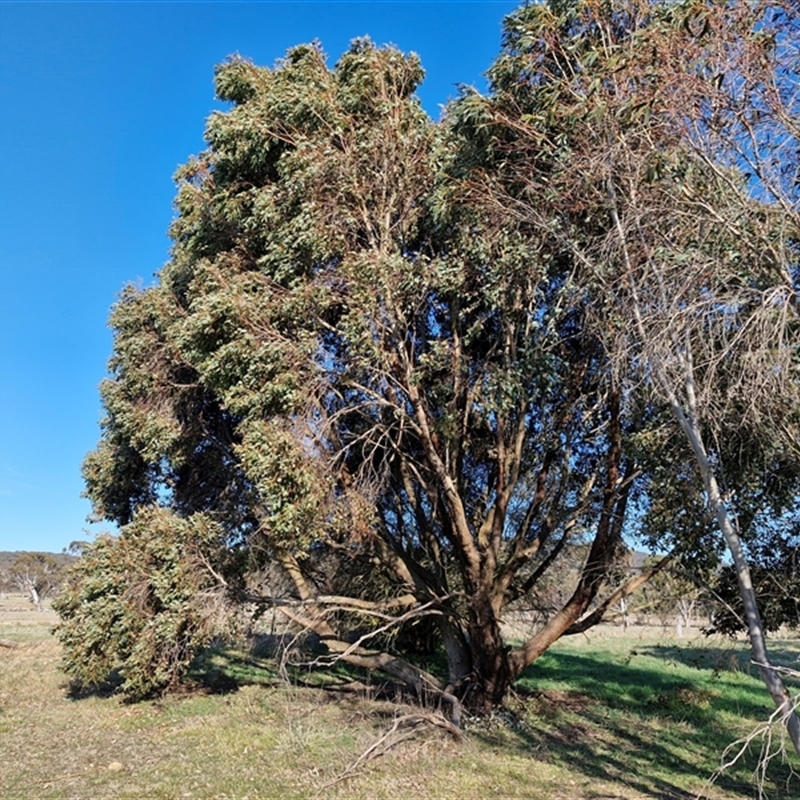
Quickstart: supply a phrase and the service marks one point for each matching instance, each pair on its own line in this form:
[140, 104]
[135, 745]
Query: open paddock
[611, 714]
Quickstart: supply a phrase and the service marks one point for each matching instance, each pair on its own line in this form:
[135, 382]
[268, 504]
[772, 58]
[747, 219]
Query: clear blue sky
[99, 104]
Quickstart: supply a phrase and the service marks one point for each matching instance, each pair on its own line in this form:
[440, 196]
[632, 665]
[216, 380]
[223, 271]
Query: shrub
[142, 603]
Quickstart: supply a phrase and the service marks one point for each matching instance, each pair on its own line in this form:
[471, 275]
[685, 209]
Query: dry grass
[274, 741]
[21, 622]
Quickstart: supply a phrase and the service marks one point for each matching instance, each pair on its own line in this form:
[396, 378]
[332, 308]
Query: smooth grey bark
[687, 419]
[755, 629]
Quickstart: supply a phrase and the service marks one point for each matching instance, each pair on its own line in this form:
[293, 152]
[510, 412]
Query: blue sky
[99, 104]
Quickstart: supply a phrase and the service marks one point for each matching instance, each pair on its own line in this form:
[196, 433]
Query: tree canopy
[417, 367]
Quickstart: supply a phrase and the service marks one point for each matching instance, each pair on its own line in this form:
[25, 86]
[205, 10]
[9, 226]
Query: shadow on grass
[104, 689]
[219, 669]
[224, 668]
[575, 745]
[652, 684]
[654, 722]
[727, 659]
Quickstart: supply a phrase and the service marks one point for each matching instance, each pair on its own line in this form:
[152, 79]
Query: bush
[143, 603]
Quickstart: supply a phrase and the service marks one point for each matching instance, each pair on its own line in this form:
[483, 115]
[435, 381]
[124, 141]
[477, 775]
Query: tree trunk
[35, 596]
[758, 645]
[457, 651]
[688, 422]
[595, 568]
[755, 629]
[491, 672]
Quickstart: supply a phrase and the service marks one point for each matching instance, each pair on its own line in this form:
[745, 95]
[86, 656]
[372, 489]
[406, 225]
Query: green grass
[598, 717]
[655, 717]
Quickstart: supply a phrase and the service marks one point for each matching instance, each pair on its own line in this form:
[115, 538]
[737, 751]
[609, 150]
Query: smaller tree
[672, 596]
[35, 574]
[663, 138]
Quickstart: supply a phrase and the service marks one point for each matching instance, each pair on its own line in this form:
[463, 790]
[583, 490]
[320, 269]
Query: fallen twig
[391, 738]
[770, 749]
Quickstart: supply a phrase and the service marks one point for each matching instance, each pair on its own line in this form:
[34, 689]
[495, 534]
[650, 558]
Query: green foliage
[349, 350]
[775, 572]
[141, 603]
[402, 350]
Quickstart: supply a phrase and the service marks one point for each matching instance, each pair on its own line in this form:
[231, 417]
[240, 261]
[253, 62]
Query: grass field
[603, 716]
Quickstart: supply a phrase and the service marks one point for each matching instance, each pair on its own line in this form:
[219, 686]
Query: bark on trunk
[459, 659]
[687, 419]
[595, 569]
[491, 671]
[755, 629]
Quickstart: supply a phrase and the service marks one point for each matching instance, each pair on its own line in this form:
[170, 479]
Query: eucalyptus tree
[657, 144]
[35, 574]
[350, 361]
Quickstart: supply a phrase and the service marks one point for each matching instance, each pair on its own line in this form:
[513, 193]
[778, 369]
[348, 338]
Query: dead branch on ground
[403, 728]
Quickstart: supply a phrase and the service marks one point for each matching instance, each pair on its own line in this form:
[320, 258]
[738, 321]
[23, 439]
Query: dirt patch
[571, 734]
[551, 702]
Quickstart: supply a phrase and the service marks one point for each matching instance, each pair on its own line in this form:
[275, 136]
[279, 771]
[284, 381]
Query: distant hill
[8, 557]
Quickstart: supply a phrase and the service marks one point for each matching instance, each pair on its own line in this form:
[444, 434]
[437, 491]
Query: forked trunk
[35, 597]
